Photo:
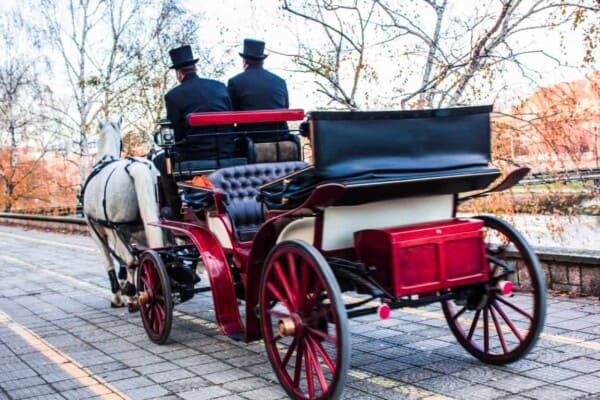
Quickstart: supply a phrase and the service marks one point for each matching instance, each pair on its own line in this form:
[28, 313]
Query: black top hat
[254, 49]
[182, 56]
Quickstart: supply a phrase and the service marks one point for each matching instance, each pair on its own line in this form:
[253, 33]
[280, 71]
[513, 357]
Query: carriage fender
[219, 274]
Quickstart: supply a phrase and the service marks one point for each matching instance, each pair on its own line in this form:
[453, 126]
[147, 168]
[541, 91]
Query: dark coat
[196, 94]
[258, 89]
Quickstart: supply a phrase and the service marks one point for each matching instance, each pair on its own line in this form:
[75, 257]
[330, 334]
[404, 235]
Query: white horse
[119, 200]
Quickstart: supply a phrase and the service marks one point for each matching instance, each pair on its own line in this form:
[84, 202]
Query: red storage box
[425, 257]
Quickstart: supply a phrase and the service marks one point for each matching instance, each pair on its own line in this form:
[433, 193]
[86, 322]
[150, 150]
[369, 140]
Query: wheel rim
[304, 323]
[154, 297]
[495, 327]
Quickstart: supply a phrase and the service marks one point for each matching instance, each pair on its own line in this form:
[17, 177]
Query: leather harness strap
[98, 167]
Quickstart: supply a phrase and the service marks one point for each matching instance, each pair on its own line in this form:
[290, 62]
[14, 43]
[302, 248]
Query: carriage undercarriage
[349, 246]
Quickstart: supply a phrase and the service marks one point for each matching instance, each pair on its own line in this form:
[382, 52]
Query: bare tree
[430, 52]
[168, 25]
[20, 97]
[339, 61]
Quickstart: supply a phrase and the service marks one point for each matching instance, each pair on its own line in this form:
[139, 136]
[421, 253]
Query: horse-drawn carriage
[370, 225]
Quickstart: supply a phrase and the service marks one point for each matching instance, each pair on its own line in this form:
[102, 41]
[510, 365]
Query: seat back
[240, 184]
[286, 148]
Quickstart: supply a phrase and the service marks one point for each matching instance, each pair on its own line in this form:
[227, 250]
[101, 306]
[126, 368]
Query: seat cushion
[240, 184]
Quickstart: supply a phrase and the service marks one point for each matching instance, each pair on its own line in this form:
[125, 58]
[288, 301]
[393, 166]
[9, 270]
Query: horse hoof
[131, 307]
[116, 305]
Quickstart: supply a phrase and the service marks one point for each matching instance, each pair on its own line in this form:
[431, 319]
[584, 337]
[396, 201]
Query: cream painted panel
[303, 228]
[340, 223]
[217, 227]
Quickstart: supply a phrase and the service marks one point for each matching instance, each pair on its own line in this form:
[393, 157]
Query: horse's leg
[98, 233]
[127, 268]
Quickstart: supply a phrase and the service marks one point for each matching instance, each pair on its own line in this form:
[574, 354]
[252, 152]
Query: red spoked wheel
[154, 296]
[500, 321]
[304, 322]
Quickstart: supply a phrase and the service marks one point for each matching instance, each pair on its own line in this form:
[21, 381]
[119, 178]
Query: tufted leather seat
[240, 184]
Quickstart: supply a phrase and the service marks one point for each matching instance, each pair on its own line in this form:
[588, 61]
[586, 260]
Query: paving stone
[51, 396]
[184, 385]
[443, 383]
[132, 383]
[586, 383]
[266, 393]
[147, 392]
[229, 375]
[515, 383]
[479, 392]
[245, 384]
[554, 392]
[30, 391]
[170, 376]
[551, 373]
[208, 393]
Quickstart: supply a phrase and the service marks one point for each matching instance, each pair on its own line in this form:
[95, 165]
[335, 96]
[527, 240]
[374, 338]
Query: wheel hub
[289, 326]
[143, 298]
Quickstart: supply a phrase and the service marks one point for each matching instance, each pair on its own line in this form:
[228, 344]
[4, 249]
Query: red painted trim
[244, 117]
[219, 274]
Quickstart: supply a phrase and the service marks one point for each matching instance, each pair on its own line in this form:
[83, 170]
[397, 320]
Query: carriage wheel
[495, 324]
[304, 322]
[154, 296]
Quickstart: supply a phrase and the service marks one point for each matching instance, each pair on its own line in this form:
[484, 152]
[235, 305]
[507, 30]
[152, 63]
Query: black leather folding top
[417, 152]
[349, 143]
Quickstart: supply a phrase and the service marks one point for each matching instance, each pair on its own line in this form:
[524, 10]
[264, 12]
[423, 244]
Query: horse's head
[109, 142]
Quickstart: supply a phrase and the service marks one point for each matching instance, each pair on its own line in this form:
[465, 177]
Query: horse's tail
[144, 176]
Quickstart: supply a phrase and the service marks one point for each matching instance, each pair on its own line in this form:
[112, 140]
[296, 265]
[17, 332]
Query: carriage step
[202, 289]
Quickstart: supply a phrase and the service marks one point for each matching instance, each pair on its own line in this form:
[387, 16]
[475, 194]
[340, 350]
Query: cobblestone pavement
[59, 339]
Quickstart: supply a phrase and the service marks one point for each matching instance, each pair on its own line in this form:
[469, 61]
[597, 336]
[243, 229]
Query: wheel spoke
[324, 355]
[309, 375]
[271, 287]
[145, 282]
[316, 365]
[283, 279]
[277, 313]
[459, 313]
[524, 313]
[160, 311]
[316, 315]
[298, 365]
[289, 352]
[486, 331]
[508, 321]
[473, 325]
[293, 271]
[315, 292]
[304, 284]
[499, 331]
[320, 334]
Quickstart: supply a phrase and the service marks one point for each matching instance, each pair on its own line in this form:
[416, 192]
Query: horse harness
[115, 226]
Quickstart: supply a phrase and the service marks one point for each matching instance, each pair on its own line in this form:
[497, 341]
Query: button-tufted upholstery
[241, 184]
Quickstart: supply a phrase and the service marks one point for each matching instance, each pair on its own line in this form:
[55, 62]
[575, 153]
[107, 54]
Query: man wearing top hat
[256, 88]
[193, 94]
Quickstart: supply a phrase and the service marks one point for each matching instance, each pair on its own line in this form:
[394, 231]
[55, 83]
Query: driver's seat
[240, 185]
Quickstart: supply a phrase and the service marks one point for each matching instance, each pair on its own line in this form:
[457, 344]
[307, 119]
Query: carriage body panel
[425, 257]
[220, 277]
